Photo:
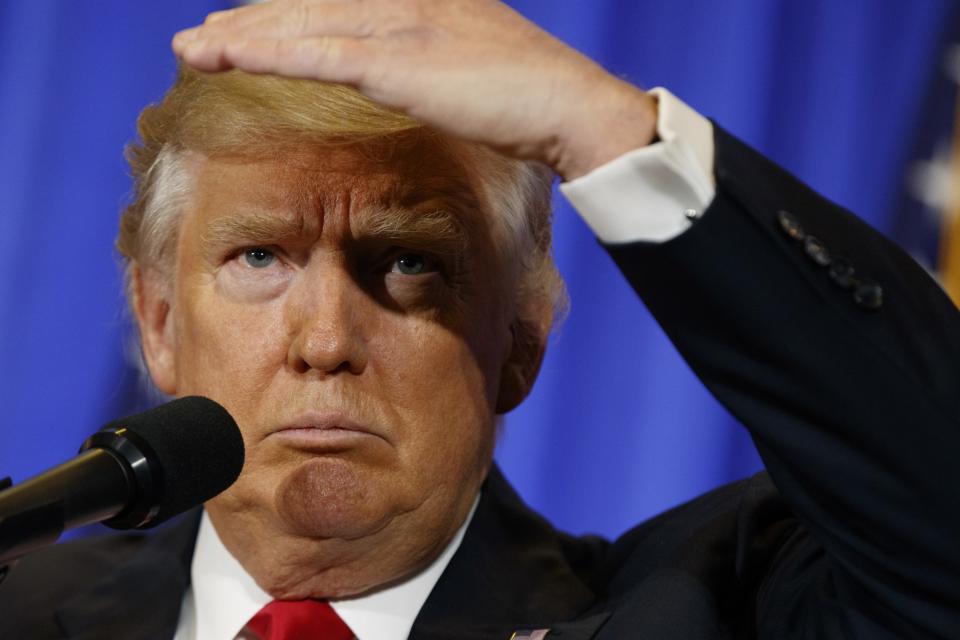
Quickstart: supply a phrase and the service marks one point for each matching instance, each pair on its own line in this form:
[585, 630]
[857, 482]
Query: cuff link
[692, 215]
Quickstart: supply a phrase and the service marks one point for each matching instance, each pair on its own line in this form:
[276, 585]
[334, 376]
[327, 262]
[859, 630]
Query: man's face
[349, 314]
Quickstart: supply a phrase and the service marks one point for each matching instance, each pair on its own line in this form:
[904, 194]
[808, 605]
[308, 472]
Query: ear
[519, 371]
[151, 306]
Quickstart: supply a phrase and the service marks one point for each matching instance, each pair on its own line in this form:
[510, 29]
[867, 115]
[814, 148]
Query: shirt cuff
[655, 192]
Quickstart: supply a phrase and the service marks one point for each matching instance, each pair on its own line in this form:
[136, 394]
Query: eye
[411, 264]
[258, 258]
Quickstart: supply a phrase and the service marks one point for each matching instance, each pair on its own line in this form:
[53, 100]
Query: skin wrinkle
[234, 114]
[422, 211]
[536, 291]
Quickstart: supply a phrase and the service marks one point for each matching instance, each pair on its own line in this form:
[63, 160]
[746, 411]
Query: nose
[326, 316]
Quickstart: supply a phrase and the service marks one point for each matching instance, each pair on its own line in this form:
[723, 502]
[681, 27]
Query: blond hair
[234, 112]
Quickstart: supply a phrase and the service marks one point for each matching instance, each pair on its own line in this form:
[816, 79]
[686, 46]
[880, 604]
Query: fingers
[222, 21]
[226, 14]
[293, 19]
[332, 59]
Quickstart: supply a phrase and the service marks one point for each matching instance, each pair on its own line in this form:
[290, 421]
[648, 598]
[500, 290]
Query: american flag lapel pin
[536, 634]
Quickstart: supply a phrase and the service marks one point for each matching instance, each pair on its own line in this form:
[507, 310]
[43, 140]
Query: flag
[929, 222]
[949, 257]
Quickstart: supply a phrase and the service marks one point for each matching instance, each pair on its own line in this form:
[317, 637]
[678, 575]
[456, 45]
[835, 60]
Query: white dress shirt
[223, 597]
[653, 194]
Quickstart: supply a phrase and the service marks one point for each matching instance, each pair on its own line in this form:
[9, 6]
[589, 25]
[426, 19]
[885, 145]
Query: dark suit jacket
[848, 382]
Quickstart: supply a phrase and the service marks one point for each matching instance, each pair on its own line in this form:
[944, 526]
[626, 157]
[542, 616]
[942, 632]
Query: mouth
[323, 433]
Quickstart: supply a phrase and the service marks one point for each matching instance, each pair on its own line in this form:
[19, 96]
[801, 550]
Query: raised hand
[475, 69]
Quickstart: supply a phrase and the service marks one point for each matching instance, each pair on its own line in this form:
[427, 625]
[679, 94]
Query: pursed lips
[323, 431]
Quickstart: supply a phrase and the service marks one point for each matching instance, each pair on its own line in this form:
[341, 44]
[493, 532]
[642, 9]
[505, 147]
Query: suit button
[868, 295]
[843, 273]
[816, 251]
[790, 225]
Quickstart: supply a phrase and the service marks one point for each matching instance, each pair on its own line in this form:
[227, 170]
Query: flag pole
[950, 236]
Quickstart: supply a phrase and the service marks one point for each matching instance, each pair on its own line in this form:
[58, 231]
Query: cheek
[228, 350]
[441, 391]
[429, 362]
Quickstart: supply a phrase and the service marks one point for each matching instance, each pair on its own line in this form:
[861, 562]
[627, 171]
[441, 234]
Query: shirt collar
[223, 596]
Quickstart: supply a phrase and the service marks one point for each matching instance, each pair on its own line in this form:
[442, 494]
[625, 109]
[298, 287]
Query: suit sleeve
[842, 358]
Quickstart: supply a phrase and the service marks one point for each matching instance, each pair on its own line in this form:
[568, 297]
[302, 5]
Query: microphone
[136, 472]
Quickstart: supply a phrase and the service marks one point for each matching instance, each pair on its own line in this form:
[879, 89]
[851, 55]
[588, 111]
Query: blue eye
[259, 258]
[410, 264]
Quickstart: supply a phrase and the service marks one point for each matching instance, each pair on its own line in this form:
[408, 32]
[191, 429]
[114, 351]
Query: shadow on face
[346, 305]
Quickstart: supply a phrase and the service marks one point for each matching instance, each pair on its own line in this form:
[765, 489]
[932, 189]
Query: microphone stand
[43, 525]
[35, 513]
[5, 483]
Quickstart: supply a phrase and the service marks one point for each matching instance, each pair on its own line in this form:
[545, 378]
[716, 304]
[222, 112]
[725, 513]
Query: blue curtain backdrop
[617, 428]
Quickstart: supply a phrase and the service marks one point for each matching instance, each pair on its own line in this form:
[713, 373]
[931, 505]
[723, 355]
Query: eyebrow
[251, 228]
[436, 229]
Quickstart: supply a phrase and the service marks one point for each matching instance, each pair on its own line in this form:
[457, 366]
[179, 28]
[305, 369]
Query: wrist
[621, 118]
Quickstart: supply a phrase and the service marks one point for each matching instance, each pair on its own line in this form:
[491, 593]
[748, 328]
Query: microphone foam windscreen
[198, 447]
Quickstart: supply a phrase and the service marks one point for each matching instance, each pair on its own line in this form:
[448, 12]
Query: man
[365, 289]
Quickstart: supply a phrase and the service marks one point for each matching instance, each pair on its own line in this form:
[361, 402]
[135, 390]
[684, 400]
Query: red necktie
[297, 620]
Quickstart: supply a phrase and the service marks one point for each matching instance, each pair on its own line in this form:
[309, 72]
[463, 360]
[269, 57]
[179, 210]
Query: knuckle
[329, 51]
[372, 73]
[298, 17]
[219, 17]
[296, 50]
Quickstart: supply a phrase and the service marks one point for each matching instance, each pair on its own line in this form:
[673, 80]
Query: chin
[327, 498]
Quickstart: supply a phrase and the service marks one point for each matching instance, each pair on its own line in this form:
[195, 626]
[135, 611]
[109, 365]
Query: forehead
[314, 184]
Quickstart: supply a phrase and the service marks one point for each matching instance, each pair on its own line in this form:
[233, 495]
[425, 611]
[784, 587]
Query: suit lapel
[140, 598]
[511, 573]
